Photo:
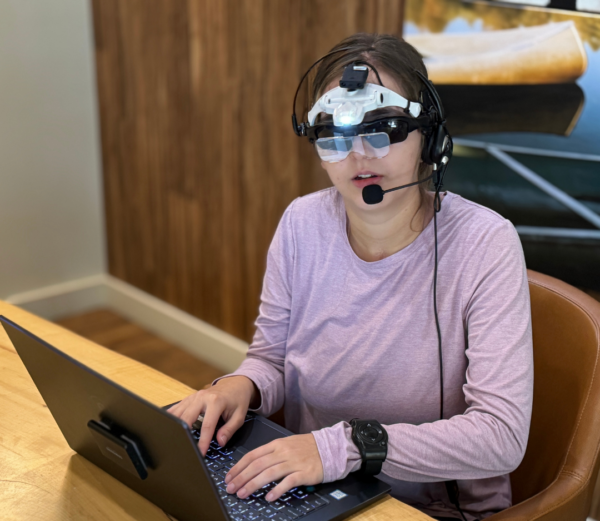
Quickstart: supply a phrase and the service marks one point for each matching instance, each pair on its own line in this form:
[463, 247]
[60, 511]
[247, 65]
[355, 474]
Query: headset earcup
[438, 145]
[434, 146]
[426, 152]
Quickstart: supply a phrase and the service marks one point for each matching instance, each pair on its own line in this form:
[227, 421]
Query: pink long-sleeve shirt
[340, 338]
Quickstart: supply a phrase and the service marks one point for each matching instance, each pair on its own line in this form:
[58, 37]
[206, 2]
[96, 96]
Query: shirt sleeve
[490, 437]
[264, 361]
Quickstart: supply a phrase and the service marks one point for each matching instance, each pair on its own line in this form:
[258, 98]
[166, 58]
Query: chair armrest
[557, 502]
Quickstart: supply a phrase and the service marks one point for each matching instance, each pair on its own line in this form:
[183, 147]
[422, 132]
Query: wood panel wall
[198, 152]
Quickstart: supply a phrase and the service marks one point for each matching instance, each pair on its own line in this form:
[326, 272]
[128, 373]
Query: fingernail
[223, 440]
[227, 478]
[269, 497]
[241, 492]
[231, 488]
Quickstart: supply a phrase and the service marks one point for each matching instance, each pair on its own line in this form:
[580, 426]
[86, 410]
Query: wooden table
[41, 478]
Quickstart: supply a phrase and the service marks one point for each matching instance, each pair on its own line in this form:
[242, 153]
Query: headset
[348, 104]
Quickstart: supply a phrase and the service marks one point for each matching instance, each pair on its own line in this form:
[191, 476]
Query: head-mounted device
[348, 105]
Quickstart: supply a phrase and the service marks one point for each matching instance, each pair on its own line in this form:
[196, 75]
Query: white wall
[51, 212]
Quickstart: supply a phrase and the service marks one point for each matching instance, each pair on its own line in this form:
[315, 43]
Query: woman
[347, 329]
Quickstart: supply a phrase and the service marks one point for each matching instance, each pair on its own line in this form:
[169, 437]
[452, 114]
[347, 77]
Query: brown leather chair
[556, 478]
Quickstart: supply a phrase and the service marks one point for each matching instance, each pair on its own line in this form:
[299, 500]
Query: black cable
[437, 206]
[452, 485]
[452, 490]
[361, 62]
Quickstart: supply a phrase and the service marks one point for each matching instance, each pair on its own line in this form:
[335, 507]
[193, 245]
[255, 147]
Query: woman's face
[400, 166]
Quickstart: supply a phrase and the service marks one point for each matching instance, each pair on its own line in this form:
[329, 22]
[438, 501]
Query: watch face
[371, 433]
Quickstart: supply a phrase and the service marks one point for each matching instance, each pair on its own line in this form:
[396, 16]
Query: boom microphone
[373, 194]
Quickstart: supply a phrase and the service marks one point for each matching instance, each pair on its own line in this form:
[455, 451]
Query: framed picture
[520, 82]
[517, 75]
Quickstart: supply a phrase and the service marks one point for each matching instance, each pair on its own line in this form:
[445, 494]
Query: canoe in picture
[543, 54]
[483, 109]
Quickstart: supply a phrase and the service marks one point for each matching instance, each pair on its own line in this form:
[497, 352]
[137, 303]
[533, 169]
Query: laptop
[156, 454]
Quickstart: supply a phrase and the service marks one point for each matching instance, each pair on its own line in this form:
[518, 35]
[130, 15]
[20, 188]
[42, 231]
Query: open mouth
[365, 176]
[365, 179]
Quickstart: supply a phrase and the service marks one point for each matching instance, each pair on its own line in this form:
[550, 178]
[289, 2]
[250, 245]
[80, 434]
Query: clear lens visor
[372, 146]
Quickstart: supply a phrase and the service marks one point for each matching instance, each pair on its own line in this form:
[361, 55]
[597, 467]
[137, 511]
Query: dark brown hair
[387, 53]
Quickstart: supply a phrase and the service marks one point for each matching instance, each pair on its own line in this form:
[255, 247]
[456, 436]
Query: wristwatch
[372, 441]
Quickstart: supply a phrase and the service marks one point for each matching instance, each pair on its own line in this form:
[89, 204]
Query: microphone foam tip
[372, 194]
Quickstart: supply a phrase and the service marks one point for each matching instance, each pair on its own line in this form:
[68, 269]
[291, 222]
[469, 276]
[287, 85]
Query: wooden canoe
[543, 54]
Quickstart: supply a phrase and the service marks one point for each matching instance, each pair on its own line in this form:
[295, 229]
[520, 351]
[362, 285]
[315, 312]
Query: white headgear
[350, 106]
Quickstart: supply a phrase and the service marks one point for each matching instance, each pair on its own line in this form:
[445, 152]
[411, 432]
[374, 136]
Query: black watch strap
[371, 467]
[370, 438]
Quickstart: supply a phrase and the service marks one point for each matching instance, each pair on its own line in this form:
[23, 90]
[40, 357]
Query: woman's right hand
[229, 398]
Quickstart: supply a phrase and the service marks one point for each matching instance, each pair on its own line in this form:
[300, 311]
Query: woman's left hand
[295, 459]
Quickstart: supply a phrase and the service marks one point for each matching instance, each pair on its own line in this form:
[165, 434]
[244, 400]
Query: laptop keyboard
[292, 505]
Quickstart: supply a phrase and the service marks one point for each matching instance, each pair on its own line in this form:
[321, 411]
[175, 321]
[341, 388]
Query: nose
[357, 153]
[358, 146]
